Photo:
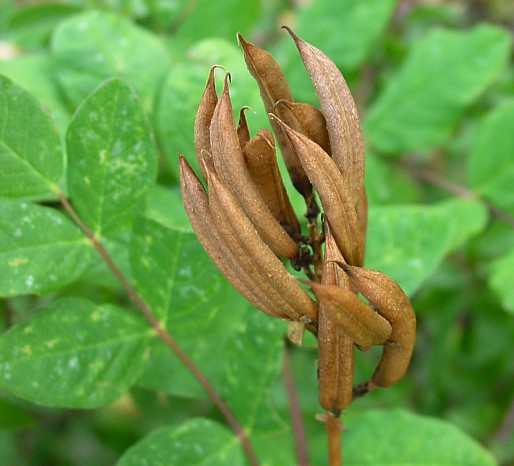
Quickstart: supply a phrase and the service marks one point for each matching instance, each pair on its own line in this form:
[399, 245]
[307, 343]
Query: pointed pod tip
[240, 40]
[272, 116]
[214, 68]
[283, 102]
[243, 109]
[287, 130]
[225, 94]
[183, 164]
[347, 268]
[290, 32]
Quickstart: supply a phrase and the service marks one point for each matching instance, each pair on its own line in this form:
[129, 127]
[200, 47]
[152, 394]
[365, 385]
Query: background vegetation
[434, 82]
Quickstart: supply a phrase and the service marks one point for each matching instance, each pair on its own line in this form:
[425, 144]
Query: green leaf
[111, 158]
[348, 32]
[31, 158]
[31, 26]
[409, 242]
[195, 442]
[96, 45]
[236, 346]
[40, 249]
[385, 185]
[252, 362]
[398, 437]
[184, 290]
[466, 219]
[35, 73]
[206, 18]
[491, 163]
[442, 74]
[501, 280]
[175, 111]
[165, 207]
[175, 277]
[74, 353]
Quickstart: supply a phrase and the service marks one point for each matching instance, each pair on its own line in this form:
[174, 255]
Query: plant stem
[333, 428]
[164, 335]
[461, 191]
[302, 456]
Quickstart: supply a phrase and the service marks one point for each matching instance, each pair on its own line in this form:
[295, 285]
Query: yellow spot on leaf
[51, 343]
[18, 261]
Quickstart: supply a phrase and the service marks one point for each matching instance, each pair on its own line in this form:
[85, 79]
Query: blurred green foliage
[434, 82]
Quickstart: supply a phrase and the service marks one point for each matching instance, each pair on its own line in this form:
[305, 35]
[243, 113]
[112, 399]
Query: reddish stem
[164, 335]
[458, 190]
[333, 429]
[302, 456]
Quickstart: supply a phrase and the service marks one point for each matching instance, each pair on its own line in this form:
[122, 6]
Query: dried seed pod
[202, 124]
[261, 161]
[362, 214]
[361, 323]
[340, 111]
[306, 119]
[243, 133]
[333, 193]
[230, 166]
[336, 355]
[197, 208]
[255, 256]
[273, 87]
[390, 301]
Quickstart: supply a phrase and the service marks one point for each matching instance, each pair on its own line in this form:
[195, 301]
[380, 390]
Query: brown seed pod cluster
[245, 221]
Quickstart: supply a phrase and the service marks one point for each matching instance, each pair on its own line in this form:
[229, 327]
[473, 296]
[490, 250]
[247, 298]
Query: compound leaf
[409, 439]
[347, 33]
[409, 242]
[96, 45]
[491, 164]
[74, 353]
[111, 158]
[195, 442]
[31, 158]
[442, 74]
[40, 249]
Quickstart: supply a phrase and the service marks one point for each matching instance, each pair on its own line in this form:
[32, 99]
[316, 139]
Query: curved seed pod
[333, 193]
[230, 166]
[306, 119]
[338, 106]
[273, 87]
[197, 208]
[261, 161]
[255, 256]
[336, 356]
[362, 214]
[361, 323]
[387, 297]
[202, 124]
[243, 133]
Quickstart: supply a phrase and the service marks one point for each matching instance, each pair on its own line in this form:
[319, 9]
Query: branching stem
[163, 334]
